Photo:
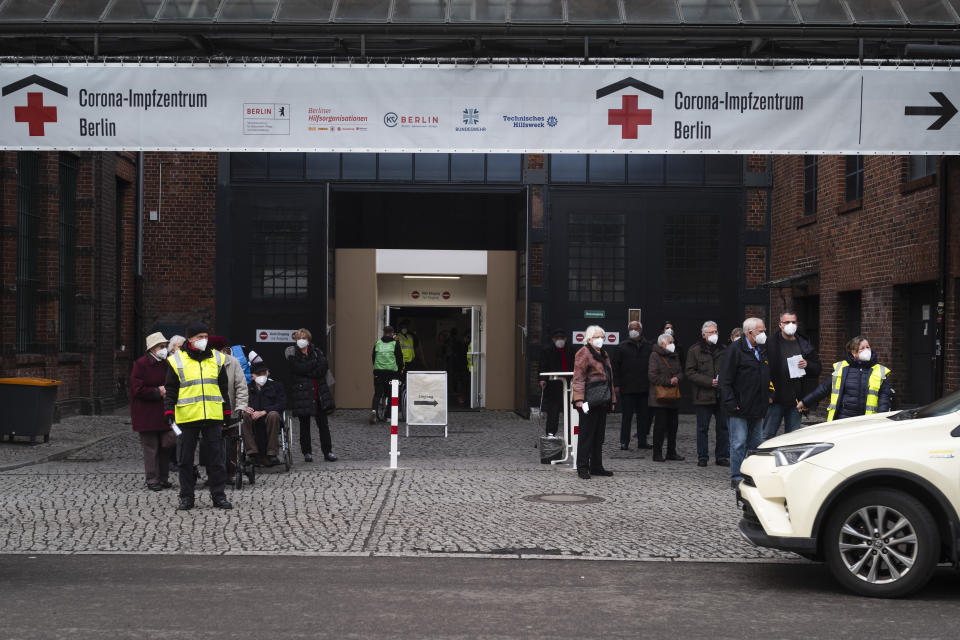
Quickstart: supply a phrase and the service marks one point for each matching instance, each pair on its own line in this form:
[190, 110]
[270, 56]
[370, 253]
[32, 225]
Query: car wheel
[881, 543]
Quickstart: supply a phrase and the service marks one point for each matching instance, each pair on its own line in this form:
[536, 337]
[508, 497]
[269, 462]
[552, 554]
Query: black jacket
[270, 397]
[550, 360]
[745, 381]
[172, 383]
[631, 363]
[852, 400]
[308, 381]
[780, 374]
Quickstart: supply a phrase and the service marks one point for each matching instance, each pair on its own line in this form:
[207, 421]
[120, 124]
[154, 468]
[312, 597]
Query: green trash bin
[28, 407]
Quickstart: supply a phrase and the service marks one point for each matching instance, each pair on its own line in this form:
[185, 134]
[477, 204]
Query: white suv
[876, 497]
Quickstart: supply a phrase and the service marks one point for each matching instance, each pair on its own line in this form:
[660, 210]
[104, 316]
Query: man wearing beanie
[197, 400]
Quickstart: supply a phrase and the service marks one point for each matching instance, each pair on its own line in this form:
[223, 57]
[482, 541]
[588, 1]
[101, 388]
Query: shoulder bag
[666, 393]
[597, 393]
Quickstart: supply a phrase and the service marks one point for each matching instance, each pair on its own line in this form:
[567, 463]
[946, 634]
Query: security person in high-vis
[388, 364]
[410, 346]
[859, 385]
[197, 401]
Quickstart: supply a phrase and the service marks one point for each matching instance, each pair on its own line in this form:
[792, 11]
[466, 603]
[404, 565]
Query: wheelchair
[239, 466]
[383, 401]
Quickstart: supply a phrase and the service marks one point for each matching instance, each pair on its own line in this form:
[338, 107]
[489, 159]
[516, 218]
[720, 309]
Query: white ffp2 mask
[671, 347]
[261, 380]
[200, 345]
[865, 355]
[302, 344]
[597, 343]
[790, 328]
[713, 339]
[761, 338]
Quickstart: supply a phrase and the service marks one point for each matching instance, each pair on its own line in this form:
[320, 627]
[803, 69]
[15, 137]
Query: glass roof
[547, 12]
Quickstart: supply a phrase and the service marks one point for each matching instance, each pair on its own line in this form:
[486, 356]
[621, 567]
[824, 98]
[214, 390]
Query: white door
[475, 356]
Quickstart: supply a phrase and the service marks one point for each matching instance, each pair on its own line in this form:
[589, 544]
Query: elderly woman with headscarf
[146, 412]
[593, 397]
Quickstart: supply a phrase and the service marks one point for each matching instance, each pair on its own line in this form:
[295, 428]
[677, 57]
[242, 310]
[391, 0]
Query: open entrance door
[475, 359]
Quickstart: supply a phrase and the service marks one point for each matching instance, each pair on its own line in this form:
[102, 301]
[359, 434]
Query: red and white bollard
[394, 419]
[575, 430]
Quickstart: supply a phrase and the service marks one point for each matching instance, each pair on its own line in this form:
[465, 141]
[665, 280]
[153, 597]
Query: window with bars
[279, 250]
[67, 281]
[853, 179]
[28, 226]
[691, 255]
[809, 185]
[596, 257]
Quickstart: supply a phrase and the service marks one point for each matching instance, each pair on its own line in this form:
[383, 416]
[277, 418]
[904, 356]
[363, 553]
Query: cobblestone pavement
[466, 494]
[65, 437]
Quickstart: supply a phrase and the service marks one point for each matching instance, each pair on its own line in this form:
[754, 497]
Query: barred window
[853, 184]
[280, 245]
[809, 185]
[69, 168]
[28, 225]
[691, 256]
[597, 263]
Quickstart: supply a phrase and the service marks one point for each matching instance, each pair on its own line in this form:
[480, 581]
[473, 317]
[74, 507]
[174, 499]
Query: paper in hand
[793, 364]
[586, 407]
[176, 430]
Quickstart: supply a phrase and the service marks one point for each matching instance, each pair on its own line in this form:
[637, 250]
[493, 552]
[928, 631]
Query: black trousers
[212, 433]
[593, 429]
[553, 406]
[323, 426]
[634, 404]
[666, 422]
[381, 385]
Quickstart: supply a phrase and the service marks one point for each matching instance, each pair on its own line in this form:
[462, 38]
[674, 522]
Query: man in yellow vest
[859, 385]
[197, 400]
[410, 345]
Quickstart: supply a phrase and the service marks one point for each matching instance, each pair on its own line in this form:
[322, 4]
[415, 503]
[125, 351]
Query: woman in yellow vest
[859, 385]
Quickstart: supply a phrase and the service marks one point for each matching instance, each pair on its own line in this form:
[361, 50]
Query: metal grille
[691, 256]
[809, 185]
[67, 282]
[596, 264]
[280, 246]
[28, 224]
[854, 178]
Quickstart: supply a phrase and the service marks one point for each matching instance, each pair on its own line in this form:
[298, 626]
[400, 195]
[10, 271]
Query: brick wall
[875, 246]
[179, 257]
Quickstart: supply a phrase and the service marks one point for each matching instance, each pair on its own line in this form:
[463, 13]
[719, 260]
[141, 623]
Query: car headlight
[786, 456]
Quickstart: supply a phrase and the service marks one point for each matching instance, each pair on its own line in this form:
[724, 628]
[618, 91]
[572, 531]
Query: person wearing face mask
[410, 345]
[782, 346]
[592, 377]
[556, 357]
[859, 385]
[197, 399]
[745, 392]
[310, 395]
[387, 357]
[146, 412]
[703, 371]
[665, 372]
[263, 414]
[669, 330]
[631, 381]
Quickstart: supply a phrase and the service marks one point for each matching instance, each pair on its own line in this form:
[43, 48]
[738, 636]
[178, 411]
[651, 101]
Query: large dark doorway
[921, 343]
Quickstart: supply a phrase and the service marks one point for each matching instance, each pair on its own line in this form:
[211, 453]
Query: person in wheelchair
[264, 413]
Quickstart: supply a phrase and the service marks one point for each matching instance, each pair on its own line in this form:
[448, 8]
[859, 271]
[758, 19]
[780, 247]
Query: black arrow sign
[431, 402]
[946, 110]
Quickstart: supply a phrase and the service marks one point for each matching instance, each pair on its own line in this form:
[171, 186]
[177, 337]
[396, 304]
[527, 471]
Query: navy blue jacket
[270, 397]
[852, 400]
[745, 381]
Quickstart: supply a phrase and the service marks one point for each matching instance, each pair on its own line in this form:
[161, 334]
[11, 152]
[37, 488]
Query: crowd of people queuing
[188, 389]
[747, 387]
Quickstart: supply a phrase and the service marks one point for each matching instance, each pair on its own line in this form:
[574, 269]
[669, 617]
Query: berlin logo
[629, 116]
[471, 116]
[391, 119]
[35, 113]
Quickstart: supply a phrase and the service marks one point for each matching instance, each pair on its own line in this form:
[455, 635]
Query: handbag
[597, 393]
[666, 393]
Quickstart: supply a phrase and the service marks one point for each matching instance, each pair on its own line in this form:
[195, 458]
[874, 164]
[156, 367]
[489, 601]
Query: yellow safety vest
[199, 397]
[406, 345]
[878, 373]
[469, 356]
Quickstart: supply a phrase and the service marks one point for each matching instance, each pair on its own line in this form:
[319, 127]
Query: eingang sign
[479, 109]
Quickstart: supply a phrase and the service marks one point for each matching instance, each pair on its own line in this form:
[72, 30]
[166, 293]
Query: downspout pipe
[138, 278]
[943, 224]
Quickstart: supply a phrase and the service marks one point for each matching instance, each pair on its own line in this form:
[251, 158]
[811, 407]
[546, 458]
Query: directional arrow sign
[946, 110]
[432, 403]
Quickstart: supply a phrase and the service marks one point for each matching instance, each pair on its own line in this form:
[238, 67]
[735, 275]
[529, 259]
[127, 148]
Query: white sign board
[427, 398]
[612, 337]
[276, 335]
[485, 108]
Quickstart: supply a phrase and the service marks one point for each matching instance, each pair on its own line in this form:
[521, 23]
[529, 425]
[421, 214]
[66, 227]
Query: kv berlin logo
[629, 116]
[35, 113]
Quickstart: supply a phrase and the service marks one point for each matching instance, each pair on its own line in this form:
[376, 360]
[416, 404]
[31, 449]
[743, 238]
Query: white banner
[485, 108]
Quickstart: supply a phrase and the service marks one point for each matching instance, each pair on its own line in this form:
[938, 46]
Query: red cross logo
[629, 117]
[35, 114]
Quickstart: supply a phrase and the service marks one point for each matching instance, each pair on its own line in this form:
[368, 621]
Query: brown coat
[660, 373]
[586, 369]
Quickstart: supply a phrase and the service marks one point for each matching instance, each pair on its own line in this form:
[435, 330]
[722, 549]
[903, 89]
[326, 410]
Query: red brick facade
[878, 250]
